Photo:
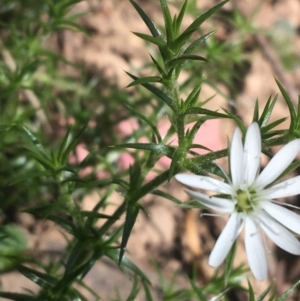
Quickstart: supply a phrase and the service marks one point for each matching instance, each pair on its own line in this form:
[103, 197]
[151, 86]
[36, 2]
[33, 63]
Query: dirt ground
[175, 238]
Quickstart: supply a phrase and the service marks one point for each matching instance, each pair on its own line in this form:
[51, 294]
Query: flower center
[244, 201]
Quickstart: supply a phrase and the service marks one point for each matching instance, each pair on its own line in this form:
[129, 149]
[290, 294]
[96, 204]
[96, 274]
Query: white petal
[219, 204]
[287, 218]
[237, 159]
[284, 189]
[225, 240]
[252, 151]
[281, 237]
[255, 251]
[202, 182]
[278, 163]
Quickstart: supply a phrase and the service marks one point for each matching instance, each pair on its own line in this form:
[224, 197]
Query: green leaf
[192, 204]
[281, 136]
[88, 266]
[154, 31]
[147, 291]
[44, 210]
[114, 255]
[113, 236]
[134, 290]
[27, 176]
[44, 161]
[93, 214]
[273, 295]
[17, 297]
[250, 291]
[71, 276]
[256, 112]
[132, 211]
[135, 175]
[179, 294]
[297, 124]
[98, 215]
[288, 292]
[163, 96]
[160, 149]
[36, 142]
[41, 279]
[64, 144]
[101, 183]
[158, 67]
[53, 158]
[57, 209]
[203, 165]
[152, 157]
[198, 292]
[71, 146]
[80, 254]
[196, 24]
[6, 127]
[265, 292]
[199, 146]
[264, 118]
[157, 41]
[148, 121]
[171, 73]
[178, 21]
[177, 155]
[218, 297]
[289, 104]
[198, 110]
[68, 225]
[166, 196]
[13, 245]
[145, 80]
[229, 263]
[51, 55]
[194, 131]
[193, 97]
[75, 295]
[69, 25]
[178, 60]
[272, 125]
[196, 43]
[237, 120]
[168, 21]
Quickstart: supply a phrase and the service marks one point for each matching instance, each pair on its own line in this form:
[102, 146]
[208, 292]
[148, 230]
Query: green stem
[180, 124]
[173, 90]
[68, 200]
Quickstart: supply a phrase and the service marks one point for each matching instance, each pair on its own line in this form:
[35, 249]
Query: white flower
[251, 200]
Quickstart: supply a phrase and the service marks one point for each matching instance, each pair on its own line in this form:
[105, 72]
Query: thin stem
[180, 124]
[173, 90]
[63, 190]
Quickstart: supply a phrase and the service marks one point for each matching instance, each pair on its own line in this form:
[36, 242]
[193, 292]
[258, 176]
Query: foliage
[38, 177]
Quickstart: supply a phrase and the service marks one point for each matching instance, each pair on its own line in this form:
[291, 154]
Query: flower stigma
[244, 201]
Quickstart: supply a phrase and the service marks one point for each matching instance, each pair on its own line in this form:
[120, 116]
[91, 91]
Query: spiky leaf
[154, 31]
[163, 96]
[181, 40]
